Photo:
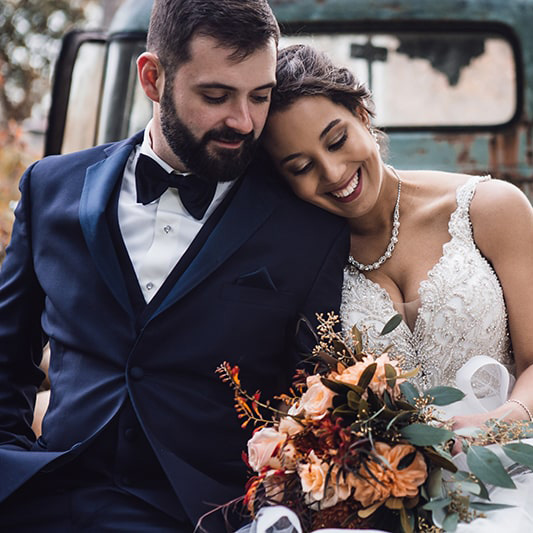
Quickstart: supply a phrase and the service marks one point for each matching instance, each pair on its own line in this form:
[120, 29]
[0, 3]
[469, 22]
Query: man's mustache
[227, 135]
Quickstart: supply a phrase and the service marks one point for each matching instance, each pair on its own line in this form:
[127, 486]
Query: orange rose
[394, 482]
[353, 373]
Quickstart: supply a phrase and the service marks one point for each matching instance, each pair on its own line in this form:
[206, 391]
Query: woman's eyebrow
[332, 124]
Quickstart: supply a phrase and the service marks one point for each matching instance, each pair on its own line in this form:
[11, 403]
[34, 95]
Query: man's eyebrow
[332, 124]
[216, 85]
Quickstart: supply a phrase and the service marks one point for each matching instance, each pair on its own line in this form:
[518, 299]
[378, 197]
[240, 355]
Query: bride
[452, 253]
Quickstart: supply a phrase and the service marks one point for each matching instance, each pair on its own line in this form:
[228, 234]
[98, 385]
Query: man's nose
[240, 118]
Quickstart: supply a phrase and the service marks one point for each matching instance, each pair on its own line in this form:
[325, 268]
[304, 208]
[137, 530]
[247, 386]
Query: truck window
[84, 97]
[429, 79]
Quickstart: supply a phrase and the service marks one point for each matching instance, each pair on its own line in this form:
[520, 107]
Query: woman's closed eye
[338, 142]
[303, 169]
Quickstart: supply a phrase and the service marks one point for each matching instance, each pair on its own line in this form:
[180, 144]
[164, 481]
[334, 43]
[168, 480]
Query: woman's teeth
[349, 189]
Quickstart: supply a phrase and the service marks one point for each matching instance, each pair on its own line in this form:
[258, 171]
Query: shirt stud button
[149, 286]
[167, 228]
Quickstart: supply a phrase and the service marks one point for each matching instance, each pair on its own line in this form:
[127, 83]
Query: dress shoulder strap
[460, 225]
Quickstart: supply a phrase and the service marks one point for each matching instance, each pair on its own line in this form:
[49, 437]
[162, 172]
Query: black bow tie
[152, 181]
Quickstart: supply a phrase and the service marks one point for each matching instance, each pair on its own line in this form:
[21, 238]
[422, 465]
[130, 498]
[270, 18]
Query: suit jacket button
[137, 373]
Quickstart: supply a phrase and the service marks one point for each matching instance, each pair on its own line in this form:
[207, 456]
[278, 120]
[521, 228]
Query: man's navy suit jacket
[270, 258]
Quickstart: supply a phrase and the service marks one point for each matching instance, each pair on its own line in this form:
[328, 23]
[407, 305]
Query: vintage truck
[452, 80]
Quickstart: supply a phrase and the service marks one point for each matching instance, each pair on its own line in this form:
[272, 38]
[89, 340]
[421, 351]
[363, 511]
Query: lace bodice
[462, 311]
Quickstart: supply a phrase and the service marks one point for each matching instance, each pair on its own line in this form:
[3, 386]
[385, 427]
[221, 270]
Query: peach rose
[390, 480]
[313, 478]
[288, 424]
[337, 490]
[313, 475]
[263, 449]
[353, 373]
[317, 399]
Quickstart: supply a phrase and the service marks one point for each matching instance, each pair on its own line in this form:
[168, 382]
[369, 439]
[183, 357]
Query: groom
[146, 263]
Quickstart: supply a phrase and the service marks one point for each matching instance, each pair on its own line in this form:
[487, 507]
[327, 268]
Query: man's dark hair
[242, 25]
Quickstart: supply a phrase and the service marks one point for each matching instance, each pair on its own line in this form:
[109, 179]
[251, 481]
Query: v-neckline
[413, 332]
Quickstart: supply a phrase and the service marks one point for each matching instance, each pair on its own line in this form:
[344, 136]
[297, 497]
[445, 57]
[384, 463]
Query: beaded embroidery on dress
[462, 311]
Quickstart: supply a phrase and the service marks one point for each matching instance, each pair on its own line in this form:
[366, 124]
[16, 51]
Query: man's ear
[151, 75]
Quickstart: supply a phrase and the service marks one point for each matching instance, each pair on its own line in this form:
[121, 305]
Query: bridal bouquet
[356, 445]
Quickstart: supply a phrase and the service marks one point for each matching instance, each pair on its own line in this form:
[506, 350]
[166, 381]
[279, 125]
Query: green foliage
[424, 435]
[30, 32]
[486, 465]
[442, 395]
[520, 452]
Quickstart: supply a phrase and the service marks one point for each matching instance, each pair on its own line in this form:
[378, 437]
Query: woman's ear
[362, 114]
[151, 75]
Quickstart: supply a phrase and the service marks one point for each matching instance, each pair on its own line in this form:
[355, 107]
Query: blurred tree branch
[30, 34]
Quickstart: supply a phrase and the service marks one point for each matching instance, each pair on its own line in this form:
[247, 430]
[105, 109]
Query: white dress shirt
[156, 235]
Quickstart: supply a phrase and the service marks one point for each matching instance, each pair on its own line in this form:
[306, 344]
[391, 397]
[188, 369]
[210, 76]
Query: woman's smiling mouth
[350, 190]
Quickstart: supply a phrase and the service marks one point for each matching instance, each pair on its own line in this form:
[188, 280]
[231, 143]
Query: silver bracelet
[523, 406]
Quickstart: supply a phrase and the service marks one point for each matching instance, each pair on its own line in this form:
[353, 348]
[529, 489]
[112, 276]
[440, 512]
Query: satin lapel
[252, 205]
[100, 179]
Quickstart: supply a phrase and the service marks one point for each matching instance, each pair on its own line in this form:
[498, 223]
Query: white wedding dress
[459, 338]
[460, 315]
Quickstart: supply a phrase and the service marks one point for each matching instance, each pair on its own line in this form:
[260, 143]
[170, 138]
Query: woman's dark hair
[304, 71]
[245, 26]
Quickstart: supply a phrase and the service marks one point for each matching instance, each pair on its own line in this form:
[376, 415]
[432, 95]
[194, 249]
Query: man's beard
[216, 165]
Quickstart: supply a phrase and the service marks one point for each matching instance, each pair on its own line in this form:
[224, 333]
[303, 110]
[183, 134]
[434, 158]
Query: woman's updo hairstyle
[304, 71]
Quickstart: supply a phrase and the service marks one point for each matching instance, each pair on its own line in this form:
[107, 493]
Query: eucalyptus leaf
[470, 486]
[424, 435]
[410, 392]
[328, 359]
[438, 503]
[442, 395]
[335, 386]
[520, 452]
[353, 400]
[342, 411]
[398, 417]
[486, 465]
[363, 408]
[440, 460]
[367, 375]
[400, 404]
[483, 506]
[435, 486]
[390, 374]
[339, 347]
[450, 522]
[467, 477]
[407, 521]
[392, 324]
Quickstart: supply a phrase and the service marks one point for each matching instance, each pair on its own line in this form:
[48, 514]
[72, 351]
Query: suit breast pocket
[258, 297]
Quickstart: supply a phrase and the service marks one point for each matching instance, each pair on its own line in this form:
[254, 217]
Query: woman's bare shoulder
[500, 214]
